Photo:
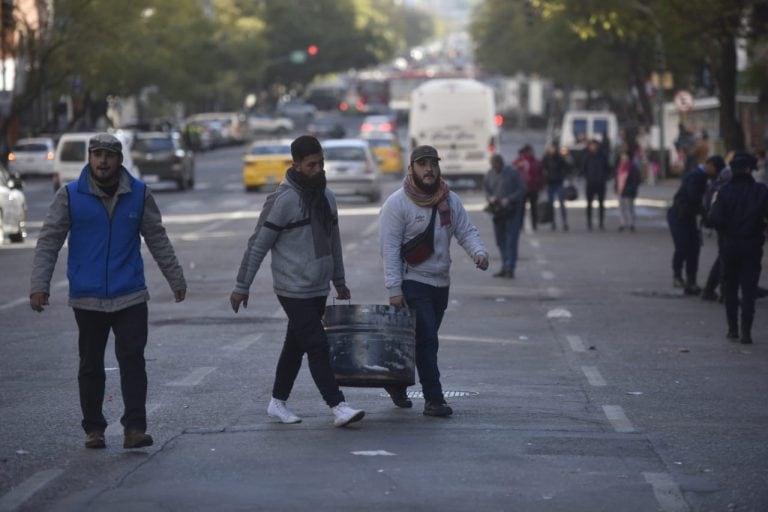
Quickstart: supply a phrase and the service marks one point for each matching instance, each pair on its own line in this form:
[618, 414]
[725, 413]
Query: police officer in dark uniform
[740, 214]
[682, 217]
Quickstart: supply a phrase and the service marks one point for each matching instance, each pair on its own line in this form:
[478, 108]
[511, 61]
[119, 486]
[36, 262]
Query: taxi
[265, 163]
[387, 150]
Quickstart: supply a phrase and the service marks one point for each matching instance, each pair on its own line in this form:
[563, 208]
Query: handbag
[420, 247]
[570, 192]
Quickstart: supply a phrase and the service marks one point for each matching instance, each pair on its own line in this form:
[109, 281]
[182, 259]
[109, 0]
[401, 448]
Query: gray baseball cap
[105, 141]
[424, 152]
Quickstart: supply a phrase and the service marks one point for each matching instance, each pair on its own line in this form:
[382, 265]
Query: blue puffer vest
[104, 254]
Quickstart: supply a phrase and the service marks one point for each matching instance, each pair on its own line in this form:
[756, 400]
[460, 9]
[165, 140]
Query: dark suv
[160, 156]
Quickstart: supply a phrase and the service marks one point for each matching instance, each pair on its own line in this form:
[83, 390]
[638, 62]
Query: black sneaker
[677, 282]
[399, 397]
[692, 289]
[733, 334]
[500, 273]
[437, 408]
[746, 339]
[709, 296]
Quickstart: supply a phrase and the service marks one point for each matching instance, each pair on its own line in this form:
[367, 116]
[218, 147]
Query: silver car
[32, 156]
[351, 168]
[13, 208]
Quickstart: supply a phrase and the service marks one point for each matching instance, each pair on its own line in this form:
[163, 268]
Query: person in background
[530, 169]
[627, 183]
[555, 169]
[299, 224]
[740, 214]
[596, 171]
[105, 213]
[505, 193]
[682, 218]
[723, 176]
[420, 280]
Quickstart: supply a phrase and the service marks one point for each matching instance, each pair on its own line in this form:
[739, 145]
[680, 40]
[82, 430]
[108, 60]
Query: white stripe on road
[546, 274]
[667, 492]
[25, 300]
[554, 292]
[618, 419]
[477, 340]
[22, 492]
[243, 344]
[116, 428]
[593, 376]
[575, 342]
[534, 243]
[194, 378]
[372, 229]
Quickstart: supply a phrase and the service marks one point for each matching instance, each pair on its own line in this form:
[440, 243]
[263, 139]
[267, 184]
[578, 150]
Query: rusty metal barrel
[372, 345]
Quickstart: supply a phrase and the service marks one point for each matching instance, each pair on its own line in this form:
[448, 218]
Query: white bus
[457, 117]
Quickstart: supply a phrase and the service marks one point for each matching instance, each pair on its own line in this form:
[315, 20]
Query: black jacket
[595, 168]
[555, 168]
[740, 209]
[688, 201]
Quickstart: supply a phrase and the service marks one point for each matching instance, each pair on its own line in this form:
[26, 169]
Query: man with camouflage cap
[105, 213]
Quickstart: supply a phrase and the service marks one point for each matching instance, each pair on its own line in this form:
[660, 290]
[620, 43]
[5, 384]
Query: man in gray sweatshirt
[300, 225]
[419, 279]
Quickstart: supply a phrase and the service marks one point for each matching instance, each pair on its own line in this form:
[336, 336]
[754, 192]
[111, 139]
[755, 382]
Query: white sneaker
[344, 415]
[277, 409]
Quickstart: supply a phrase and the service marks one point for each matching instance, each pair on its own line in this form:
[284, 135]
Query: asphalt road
[585, 384]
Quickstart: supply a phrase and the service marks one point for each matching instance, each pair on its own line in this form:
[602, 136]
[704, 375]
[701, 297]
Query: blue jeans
[428, 304]
[507, 233]
[556, 191]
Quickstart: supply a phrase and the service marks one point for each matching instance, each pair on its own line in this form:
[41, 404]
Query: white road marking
[559, 313]
[534, 243]
[16, 497]
[373, 453]
[576, 344]
[372, 229]
[667, 492]
[618, 419]
[593, 376]
[243, 344]
[194, 378]
[116, 428]
[554, 292]
[476, 339]
[546, 274]
[25, 300]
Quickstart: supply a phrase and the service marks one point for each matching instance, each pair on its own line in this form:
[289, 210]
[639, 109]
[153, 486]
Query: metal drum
[371, 345]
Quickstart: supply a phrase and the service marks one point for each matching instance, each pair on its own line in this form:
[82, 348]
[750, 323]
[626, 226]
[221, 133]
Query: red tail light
[343, 106]
[499, 120]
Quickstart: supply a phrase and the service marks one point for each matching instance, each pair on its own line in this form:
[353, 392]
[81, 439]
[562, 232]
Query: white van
[72, 155]
[580, 126]
[457, 116]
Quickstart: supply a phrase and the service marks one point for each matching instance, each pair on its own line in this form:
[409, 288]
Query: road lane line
[548, 275]
[25, 300]
[667, 492]
[16, 497]
[534, 243]
[194, 377]
[116, 428]
[554, 292]
[575, 342]
[372, 229]
[453, 337]
[619, 420]
[593, 376]
[243, 344]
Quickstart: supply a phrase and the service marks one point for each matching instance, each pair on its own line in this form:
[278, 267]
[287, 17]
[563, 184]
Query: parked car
[32, 156]
[215, 129]
[72, 155]
[327, 127]
[295, 109]
[13, 207]
[160, 156]
[388, 152]
[262, 123]
[351, 168]
[265, 163]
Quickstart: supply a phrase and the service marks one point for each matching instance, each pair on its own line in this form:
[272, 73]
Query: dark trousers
[532, 199]
[715, 277]
[741, 270]
[305, 335]
[687, 240]
[130, 328]
[428, 304]
[596, 191]
[507, 233]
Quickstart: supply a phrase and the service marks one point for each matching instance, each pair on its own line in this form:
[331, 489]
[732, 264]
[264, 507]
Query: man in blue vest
[105, 213]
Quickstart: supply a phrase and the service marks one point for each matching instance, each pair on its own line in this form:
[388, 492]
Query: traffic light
[312, 50]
